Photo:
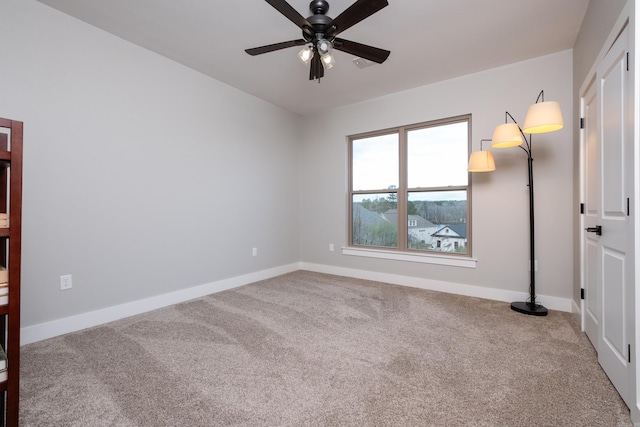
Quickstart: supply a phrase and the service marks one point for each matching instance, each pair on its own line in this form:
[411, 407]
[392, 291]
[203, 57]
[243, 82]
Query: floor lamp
[542, 117]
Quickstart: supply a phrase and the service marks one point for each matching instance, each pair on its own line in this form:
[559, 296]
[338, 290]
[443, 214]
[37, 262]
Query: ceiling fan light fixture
[324, 47]
[305, 54]
[328, 61]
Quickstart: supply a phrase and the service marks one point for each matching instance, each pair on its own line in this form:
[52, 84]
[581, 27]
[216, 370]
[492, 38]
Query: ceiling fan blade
[362, 50]
[276, 46]
[355, 13]
[290, 13]
[317, 70]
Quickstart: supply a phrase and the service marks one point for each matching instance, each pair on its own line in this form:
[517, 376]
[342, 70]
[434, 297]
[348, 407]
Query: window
[409, 188]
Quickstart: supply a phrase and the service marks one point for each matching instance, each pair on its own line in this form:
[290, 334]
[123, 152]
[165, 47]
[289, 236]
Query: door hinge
[581, 293]
[581, 122]
[628, 206]
[629, 353]
[582, 208]
[627, 61]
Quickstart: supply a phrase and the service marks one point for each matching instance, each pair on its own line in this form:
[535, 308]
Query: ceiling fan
[319, 34]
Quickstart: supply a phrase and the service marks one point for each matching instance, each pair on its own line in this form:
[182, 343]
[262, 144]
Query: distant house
[450, 238]
[372, 229]
[420, 229]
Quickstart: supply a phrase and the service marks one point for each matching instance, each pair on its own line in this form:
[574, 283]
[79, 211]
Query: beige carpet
[309, 349]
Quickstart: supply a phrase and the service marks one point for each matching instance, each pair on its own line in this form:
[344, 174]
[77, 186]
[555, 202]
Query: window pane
[437, 221]
[374, 220]
[437, 156]
[375, 162]
[419, 170]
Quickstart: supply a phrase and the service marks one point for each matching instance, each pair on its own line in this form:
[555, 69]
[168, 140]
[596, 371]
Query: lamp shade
[543, 117]
[506, 135]
[305, 54]
[481, 161]
[328, 61]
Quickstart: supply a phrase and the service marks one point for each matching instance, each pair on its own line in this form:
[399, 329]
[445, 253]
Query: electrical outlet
[65, 282]
[331, 248]
[254, 252]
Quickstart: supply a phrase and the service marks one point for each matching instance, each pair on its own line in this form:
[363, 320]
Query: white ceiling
[429, 40]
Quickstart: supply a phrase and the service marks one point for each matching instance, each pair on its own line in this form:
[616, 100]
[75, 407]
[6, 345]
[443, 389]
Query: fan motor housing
[319, 19]
[319, 7]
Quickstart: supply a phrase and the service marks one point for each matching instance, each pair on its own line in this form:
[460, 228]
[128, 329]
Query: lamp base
[529, 308]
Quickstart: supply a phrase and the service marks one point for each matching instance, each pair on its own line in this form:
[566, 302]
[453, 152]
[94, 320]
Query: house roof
[392, 216]
[365, 216]
[459, 229]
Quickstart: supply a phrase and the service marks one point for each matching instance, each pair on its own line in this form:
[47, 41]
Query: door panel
[592, 299]
[616, 178]
[613, 325]
[612, 154]
[591, 192]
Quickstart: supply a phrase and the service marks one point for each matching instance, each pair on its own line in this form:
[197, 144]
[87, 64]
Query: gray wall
[141, 176]
[598, 22]
[500, 198]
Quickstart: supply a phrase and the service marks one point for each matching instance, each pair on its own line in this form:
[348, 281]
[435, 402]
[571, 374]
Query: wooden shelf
[10, 257]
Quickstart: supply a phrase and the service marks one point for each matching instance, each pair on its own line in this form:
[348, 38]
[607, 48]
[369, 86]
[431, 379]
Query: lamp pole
[530, 307]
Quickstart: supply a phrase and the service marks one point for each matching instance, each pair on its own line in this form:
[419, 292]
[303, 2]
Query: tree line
[436, 211]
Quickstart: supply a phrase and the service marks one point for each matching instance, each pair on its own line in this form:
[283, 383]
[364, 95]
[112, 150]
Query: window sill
[451, 261]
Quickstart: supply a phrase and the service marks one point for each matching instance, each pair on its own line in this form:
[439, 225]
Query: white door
[591, 213]
[614, 253]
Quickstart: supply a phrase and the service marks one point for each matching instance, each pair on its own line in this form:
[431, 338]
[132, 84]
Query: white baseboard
[552, 303]
[78, 322]
[576, 310]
